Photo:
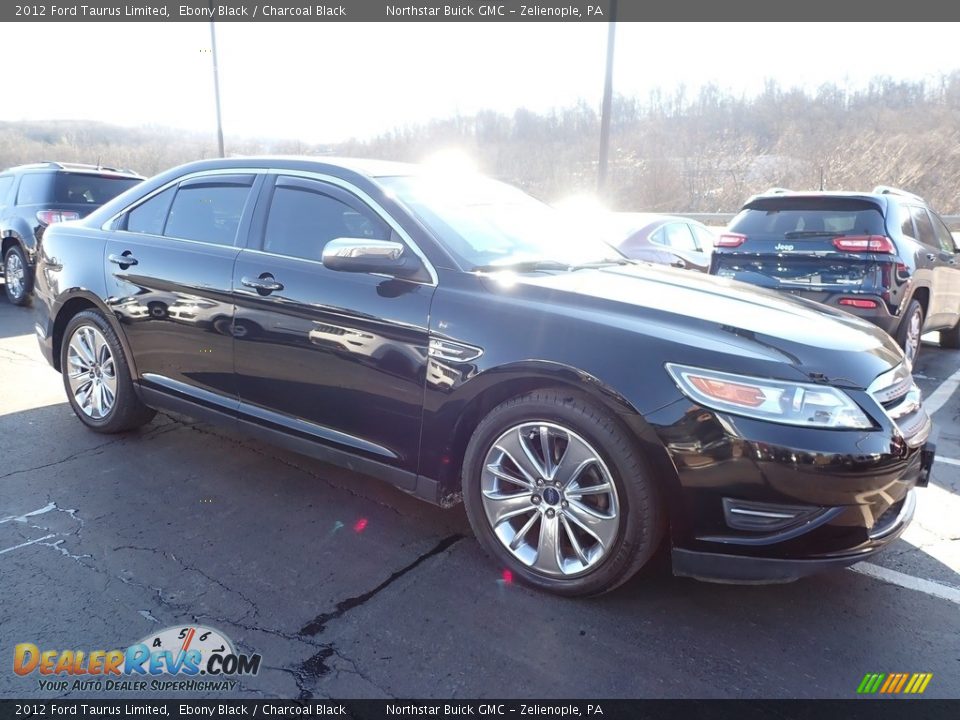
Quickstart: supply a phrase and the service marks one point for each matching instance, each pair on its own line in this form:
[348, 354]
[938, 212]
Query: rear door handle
[264, 284]
[931, 257]
[123, 259]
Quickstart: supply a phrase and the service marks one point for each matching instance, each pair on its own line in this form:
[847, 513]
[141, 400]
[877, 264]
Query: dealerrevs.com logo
[199, 658]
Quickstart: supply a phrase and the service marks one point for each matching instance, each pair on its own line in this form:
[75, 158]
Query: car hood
[743, 325]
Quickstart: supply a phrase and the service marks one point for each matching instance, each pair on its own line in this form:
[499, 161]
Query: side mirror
[368, 256]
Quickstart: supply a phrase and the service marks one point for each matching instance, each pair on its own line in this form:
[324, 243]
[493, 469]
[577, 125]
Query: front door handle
[265, 284]
[124, 259]
[931, 257]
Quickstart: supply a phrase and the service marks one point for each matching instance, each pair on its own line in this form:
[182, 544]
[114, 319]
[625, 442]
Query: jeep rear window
[89, 189]
[785, 217]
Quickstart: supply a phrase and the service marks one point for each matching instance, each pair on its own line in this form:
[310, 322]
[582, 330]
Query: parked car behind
[663, 239]
[883, 255]
[459, 339]
[35, 196]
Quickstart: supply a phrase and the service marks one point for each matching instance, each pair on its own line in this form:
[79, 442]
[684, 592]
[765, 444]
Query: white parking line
[29, 542]
[939, 397]
[929, 587]
[23, 518]
[948, 461]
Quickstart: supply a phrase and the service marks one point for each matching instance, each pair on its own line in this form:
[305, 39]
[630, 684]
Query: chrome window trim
[370, 203]
[176, 181]
[309, 175]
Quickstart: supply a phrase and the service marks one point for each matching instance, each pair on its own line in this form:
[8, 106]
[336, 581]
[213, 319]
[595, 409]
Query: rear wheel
[558, 492]
[97, 378]
[17, 280]
[910, 331]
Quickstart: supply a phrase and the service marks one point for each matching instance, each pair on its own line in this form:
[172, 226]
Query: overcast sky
[324, 82]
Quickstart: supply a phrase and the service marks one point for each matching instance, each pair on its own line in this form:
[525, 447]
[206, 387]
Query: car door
[169, 268]
[947, 273]
[929, 259]
[336, 358]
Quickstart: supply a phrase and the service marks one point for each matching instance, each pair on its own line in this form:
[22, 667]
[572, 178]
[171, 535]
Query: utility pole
[607, 101]
[216, 82]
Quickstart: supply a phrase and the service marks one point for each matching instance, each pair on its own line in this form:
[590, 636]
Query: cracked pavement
[349, 588]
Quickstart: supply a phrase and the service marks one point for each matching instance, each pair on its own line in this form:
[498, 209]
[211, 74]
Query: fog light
[767, 517]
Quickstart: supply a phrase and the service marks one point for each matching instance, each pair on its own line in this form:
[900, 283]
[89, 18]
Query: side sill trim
[422, 487]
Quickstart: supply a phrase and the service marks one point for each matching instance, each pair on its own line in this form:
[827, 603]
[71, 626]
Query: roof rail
[887, 190]
[77, 166]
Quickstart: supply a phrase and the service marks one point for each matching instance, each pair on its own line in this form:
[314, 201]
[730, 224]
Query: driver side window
[302, 220]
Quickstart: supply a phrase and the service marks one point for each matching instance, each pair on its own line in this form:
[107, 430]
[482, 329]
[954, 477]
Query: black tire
[951, 338]
[641, 517]
[22, 297]
[127, 411]
[914, 310]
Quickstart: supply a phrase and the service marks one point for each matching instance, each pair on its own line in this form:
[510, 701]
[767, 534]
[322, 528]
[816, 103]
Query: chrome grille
[901, 400]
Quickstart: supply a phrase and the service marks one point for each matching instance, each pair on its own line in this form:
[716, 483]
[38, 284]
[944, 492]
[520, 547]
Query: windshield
[484, 223]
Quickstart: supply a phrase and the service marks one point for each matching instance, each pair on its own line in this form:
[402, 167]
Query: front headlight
[773, 400]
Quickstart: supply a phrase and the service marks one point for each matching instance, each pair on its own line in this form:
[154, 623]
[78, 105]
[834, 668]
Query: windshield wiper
[523, 266]
[603, 263]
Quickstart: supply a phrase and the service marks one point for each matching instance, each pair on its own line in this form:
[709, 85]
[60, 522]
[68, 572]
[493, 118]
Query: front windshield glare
[486, 223]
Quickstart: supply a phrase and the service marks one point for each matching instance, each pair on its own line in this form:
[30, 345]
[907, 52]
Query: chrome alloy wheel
[91, 372]
[550, 499]
[13, 274]
[912, 343]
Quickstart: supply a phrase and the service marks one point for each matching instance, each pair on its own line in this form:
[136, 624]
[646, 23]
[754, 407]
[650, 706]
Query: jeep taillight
[49, 217]
[864, 243]
[730, 240]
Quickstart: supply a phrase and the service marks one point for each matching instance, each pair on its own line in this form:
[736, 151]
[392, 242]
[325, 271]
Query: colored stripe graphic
[894, 683]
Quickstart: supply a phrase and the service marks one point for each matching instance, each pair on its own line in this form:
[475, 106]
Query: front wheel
[558, 492]
[97, 378]
[18, 283]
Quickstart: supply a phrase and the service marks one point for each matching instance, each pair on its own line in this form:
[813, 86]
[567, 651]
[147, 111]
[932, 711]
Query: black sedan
[454, 337]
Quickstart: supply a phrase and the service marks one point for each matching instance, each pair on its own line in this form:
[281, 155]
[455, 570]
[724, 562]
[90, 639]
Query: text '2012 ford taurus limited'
[450, 335]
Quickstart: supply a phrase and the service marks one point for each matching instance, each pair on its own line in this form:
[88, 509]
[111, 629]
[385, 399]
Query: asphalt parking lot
[350, 589]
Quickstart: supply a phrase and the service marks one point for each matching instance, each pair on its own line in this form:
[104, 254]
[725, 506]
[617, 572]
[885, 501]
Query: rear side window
[34, 189]
[925, 232]
[796, 217]
[207, 212]
[944, 236]
[149, 217]
[88, 189]
[301, 222]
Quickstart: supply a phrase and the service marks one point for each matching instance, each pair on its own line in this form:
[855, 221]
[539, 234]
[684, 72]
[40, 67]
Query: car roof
[360, 166]
[642, 220]
[880, 197]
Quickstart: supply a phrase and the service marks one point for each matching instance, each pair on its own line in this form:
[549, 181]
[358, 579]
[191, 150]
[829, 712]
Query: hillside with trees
[678, 151]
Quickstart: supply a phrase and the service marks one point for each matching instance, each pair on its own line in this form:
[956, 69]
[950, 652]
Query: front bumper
[808, 499]
[720, 567]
